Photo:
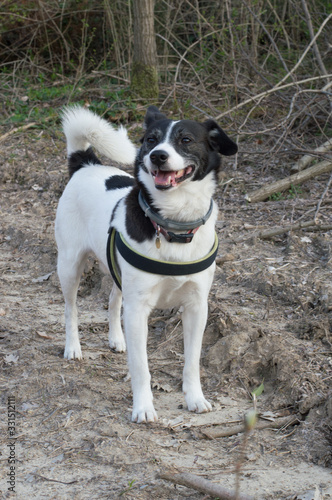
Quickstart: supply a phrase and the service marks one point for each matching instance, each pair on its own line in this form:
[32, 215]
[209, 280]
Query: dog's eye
[150, 140]
[185, 140]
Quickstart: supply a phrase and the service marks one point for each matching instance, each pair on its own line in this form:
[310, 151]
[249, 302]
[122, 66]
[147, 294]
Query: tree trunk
[144, 76]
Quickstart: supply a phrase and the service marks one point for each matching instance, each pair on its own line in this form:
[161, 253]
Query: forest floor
[270, 322]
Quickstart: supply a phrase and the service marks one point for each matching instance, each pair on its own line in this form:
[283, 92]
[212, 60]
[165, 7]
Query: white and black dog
[162, 242]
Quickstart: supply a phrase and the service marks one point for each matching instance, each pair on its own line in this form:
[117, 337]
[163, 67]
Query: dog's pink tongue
[165, 178]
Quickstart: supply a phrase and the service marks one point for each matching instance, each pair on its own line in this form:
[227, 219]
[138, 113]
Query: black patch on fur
[119, 182]
[219, 140]
[80, 159]
[138, 226]
[152, 115]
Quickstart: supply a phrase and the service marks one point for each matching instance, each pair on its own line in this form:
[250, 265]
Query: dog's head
[176, 152]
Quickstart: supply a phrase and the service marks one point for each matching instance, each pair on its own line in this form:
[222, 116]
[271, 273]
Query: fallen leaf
[44, 335]
[175, 422]
[11, 358]
[305, 239]
[162, 387]
[42, 278]
[29, 406]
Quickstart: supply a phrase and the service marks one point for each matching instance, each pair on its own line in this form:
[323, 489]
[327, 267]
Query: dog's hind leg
[194, 321]
[70, 269]
[116, 338]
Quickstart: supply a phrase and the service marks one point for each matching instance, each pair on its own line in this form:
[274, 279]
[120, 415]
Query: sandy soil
[270, 320]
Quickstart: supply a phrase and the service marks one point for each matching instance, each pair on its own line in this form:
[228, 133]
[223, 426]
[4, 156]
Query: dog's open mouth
[165, 179]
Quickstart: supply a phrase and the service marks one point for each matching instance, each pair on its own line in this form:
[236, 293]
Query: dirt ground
[270, 322]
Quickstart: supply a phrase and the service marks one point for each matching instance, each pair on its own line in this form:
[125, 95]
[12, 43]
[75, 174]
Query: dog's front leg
[136, 331]
[194, 321]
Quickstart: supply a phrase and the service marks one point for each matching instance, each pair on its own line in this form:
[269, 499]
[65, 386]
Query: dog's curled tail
[83, 128]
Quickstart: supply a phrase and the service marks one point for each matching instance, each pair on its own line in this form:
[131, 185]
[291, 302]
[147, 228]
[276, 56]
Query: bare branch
[314, 45]
[200, 484]
[219, 431]
[293, 180]
[303, 162]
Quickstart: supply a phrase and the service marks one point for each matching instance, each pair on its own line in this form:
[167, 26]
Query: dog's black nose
[159, 157]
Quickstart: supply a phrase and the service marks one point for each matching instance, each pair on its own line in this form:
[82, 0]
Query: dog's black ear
[218, 140]
[153, 115]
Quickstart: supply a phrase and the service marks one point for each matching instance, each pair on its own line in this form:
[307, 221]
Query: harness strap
[153, 266]
[111, 258]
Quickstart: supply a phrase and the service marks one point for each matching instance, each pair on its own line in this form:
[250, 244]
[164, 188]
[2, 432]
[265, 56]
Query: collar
[163, 225]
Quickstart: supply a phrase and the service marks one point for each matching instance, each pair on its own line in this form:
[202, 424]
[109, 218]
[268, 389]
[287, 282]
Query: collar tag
[158, 240]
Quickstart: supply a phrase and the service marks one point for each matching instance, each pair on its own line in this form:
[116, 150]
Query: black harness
[153, 266]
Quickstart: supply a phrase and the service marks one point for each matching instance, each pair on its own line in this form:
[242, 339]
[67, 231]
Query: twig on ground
[23, 128]
[303, 162]
[200, 484]
[236, 429]
[55, 480]
[310, 225]
[283, 184]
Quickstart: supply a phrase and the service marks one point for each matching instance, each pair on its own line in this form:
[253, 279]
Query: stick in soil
[231, 431]
[293, 180]
[304, 161]
[276, 231]
[200, 484]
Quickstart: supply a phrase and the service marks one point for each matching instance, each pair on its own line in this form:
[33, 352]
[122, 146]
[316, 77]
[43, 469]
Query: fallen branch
[23, 128]
[320, 227]
[269, 233]
[303, 162]
[284, 184]
[266, 234]
[200, 484]
[236, 429]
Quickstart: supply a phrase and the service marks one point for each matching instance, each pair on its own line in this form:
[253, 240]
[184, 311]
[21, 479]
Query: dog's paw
[198, 405]
[73, 352]
[118, 345]
[144, 415]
